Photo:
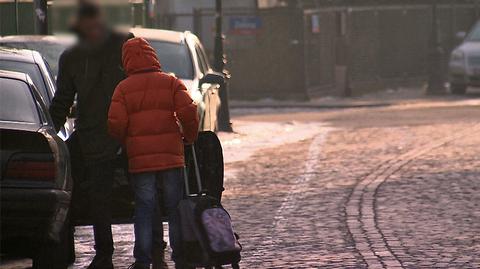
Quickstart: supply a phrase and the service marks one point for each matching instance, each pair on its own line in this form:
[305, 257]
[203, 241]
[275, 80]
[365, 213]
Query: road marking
[289, 203]
[360, 207]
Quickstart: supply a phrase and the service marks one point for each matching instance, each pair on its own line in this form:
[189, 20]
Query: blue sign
[245, 25]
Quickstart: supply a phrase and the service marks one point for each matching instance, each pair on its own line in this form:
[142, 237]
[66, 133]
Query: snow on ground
[249, 137]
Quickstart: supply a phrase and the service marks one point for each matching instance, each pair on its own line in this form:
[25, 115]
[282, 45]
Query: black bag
[208, 238]
[209, 154]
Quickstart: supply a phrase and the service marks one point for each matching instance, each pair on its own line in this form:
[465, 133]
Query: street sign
[244, 25]
[315, 23]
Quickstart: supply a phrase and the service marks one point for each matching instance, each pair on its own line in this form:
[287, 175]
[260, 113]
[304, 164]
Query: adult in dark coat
[89, 71]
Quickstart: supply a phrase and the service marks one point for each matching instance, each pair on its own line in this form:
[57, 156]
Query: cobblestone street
[387, 187]
[384, 188]
[271, 134]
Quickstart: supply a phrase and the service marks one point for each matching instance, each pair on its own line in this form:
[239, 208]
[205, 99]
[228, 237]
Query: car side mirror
[213, 78]
[461, 35]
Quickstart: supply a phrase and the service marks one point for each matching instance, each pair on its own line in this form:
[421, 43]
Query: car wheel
[458, 89]
[55, 255]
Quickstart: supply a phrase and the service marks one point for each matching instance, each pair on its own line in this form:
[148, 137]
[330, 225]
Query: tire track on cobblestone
[360, 208]
[289, 203]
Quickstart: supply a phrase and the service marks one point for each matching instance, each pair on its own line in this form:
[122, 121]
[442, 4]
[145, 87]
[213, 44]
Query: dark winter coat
[91, 74]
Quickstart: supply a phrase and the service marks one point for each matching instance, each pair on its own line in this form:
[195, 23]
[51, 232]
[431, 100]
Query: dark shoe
[101, 262]
[138, 266]
[158, 258]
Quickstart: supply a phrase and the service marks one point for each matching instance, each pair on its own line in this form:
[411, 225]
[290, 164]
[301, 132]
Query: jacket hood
[138, 56]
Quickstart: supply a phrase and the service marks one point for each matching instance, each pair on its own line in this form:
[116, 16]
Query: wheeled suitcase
[208, 239]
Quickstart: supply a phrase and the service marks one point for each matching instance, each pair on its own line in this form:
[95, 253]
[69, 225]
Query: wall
[273, 65]
[332, 49]
[386, 46]
[337, 48]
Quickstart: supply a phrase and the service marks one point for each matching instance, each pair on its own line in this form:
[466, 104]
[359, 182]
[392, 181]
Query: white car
[464, 65]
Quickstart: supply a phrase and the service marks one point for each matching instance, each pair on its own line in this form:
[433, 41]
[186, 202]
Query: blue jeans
[147, 221]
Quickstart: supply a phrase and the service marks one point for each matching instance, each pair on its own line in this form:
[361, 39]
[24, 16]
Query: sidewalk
[389, 97]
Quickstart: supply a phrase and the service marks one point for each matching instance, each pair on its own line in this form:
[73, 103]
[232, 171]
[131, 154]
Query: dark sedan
[35, 183]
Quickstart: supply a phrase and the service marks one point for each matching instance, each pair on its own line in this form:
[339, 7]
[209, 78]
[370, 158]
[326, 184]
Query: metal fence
[16, 17]
[382, 46]
[261, 47]
[330, 49]
[334, 48]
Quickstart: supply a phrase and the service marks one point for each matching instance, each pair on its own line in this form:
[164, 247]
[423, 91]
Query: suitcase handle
[197, 173]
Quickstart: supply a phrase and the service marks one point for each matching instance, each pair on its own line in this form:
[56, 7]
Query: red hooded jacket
[146, 109]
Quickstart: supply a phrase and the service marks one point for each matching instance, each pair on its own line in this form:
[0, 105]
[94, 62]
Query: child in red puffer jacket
[144, 115]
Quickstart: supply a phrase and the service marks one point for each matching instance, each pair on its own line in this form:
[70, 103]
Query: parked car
[50, 46]
[35, 183]
[32, 63]
[182, 54]
[464, 66]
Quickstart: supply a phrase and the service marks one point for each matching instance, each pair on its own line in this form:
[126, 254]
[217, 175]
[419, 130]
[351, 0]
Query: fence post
[348, 57]
[341, 53]
[436, 83]
[453, 28]
[148, 13]
[41, 22]
[16, 18]
[454, 20]
[477, 9]
[197, 22]
[219, 66]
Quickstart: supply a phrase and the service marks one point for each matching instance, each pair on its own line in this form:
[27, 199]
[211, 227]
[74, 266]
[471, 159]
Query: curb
[309, 106]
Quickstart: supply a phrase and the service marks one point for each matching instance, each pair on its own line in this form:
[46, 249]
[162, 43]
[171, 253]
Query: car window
[49, 68]
[52, 77]
[49, 50]
[474, 35]
[174, 58]
[201, 61]
[30, 69]
[17, 103]
[203, 55]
